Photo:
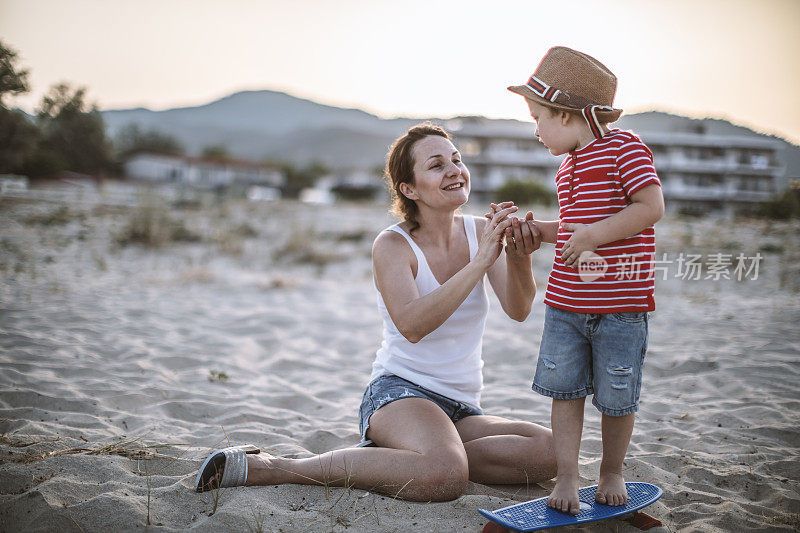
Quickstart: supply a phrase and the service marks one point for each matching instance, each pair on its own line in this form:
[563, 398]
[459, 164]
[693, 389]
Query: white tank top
[447, 360]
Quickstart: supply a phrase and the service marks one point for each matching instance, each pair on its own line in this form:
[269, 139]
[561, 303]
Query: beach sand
[122, 366]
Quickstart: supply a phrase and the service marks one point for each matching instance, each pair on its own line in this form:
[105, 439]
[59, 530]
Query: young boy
[601, 285]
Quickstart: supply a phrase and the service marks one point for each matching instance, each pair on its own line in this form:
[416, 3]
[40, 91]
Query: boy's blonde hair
[554, 111]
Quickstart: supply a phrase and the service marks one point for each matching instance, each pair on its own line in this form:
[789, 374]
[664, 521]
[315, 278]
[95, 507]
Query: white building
[202, 173]
[699, 172]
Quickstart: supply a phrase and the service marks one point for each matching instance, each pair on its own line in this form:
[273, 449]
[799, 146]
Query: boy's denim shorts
[387, 388]
[593, 353]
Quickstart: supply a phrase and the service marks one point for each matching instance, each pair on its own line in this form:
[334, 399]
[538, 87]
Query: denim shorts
[387, 388]
[593, 353]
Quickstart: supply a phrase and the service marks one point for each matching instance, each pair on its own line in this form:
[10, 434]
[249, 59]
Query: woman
[423, 432]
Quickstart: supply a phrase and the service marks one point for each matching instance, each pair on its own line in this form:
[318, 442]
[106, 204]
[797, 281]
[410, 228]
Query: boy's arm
[646, 209]
[548, 229]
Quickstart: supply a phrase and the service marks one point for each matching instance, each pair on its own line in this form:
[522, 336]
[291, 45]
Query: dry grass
[196, 275]
[152, 225]
[278, 282]
[305, 246]
[57, 217]
[132, 448]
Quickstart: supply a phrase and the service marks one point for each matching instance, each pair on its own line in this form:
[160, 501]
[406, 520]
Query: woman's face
[440, 177]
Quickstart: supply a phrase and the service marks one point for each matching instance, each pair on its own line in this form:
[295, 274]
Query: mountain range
[271, 125]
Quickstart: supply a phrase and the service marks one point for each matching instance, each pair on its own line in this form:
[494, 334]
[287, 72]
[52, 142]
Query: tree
[18, 140]
[302, 178]
[132, 139]
[12, 80]
[73, 135]
[218, 152]
[18, 136]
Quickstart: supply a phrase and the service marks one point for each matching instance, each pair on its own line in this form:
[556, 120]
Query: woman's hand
[489, 244]
[523, 237]
[581, 241]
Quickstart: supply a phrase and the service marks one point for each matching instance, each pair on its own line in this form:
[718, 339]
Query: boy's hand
[580, 241]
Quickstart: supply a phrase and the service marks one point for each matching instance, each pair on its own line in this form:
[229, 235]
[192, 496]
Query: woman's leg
[507, 451]
[419, 457]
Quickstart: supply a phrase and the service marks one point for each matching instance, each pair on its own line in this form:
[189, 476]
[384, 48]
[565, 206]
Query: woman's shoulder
[391, 252]
[389, 240]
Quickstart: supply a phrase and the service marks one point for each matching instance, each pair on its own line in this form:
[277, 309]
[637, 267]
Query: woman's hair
[400, 169]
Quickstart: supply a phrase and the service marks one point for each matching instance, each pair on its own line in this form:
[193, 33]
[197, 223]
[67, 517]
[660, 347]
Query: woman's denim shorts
[387, 388]
[593, 353]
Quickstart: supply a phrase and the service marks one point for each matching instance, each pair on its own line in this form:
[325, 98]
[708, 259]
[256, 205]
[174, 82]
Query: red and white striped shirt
[594, 183]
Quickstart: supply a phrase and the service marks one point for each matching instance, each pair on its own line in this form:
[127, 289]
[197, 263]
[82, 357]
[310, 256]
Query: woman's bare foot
[565, 495]
[611, 489]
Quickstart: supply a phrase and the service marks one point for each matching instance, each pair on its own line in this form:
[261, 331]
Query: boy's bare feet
[611, 489]
[565, 495]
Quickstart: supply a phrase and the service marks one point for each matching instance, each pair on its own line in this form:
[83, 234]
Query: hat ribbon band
[590, 114]
[542, 89]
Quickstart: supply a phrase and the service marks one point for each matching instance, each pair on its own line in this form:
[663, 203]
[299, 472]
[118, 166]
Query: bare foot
[611, 489]
[565, 495]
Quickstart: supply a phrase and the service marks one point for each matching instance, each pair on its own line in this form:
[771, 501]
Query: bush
[782, 207]
[357, 193]
[525, 193]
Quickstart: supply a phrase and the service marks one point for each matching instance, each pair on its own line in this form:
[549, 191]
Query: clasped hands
[523, 237]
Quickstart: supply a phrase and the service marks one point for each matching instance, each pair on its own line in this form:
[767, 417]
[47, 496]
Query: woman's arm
[511, 276]
[417, 316]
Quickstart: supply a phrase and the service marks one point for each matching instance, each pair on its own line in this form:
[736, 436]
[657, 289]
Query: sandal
[231, 461]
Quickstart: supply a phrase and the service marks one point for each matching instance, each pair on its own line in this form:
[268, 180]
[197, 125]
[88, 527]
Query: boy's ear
[408, 191]
[565, 117]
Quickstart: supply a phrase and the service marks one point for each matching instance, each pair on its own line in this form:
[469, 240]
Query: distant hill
[266, 124]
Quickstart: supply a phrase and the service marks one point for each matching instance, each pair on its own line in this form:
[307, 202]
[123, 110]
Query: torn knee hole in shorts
[619, 385]
[618, 370]
[548, 363]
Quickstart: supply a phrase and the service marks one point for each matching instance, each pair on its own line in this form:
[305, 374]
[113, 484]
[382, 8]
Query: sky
[732, 59]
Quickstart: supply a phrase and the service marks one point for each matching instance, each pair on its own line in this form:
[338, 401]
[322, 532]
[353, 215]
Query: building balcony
[715, 166]
[516, 158]
[680, 191]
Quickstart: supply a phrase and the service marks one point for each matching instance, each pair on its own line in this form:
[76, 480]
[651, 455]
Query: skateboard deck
[535, 514]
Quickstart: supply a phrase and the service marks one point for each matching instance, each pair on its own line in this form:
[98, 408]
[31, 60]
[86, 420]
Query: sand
[122, 366]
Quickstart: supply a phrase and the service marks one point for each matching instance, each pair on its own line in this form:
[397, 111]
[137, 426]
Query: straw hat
[573, 81]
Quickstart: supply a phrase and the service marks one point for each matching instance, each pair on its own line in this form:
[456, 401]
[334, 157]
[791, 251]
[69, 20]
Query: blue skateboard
[535, 514]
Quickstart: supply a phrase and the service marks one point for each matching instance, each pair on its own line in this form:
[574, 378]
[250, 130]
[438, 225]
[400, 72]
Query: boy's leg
[617, 432]
[619, 347]
[564, 373]
[567, 423]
